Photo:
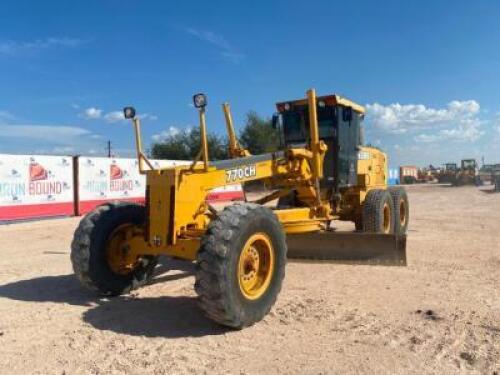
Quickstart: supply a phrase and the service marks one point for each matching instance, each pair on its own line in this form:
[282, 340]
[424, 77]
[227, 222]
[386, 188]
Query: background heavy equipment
[467, 174]
[447, 175]
[484, 174]
[495, 177]
[321, 174]
[489, 174]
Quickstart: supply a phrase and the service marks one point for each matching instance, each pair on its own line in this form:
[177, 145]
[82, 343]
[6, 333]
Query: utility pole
[109, 149]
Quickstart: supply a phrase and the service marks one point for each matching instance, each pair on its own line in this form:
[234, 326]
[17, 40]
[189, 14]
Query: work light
[200, 100]
[129, 112]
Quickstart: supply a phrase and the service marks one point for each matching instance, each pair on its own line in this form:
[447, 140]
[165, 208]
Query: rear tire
[378, 212]
[88, 250]
[221, 276]
[401, 209]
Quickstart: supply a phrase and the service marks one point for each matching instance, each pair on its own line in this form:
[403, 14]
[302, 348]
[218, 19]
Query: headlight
[200, 100]
[129, 112]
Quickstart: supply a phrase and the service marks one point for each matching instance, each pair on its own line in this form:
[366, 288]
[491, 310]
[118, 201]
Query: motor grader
[321, 174]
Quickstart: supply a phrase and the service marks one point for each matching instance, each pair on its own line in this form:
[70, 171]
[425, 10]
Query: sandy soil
[441, 314]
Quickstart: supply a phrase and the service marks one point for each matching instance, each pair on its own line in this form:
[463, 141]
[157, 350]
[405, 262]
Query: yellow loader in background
[321, 174]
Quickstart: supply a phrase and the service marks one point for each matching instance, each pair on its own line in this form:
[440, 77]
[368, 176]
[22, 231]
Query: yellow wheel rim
[118, 252]
[387, 218]
[402, 213]
[256, 266]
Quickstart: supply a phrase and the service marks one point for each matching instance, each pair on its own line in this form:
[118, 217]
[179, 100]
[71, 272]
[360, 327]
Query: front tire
[241, 265]
[90, 250]
[378, 212]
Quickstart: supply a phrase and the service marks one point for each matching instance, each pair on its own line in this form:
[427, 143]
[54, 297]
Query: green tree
[185, 145]
[258, 136]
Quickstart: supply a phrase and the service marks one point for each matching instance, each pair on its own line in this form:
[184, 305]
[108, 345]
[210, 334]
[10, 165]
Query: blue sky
[428, 71]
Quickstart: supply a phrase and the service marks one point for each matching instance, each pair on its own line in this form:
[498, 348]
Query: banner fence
[35, 186]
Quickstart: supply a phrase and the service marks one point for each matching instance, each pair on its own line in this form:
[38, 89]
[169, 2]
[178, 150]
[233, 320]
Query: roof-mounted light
[129, 112]
[200, 100]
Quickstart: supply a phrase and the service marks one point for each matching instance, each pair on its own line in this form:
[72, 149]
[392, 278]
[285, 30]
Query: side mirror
[277, 121]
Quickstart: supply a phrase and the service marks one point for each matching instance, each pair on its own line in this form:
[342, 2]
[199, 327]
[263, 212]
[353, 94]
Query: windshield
[468, 164]
[296, 125]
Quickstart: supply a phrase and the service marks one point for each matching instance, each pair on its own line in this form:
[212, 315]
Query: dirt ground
[441, 314]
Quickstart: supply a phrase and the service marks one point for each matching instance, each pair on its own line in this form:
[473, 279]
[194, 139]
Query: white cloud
[114, 116]
[496, 122]
[6, 116]
[117, 116]
[457, 121]
[165, 134]
[210, 37]
[466, 130]
[426, 138]
[227, 51]
[397, 118]
[16, 136]
[234, 57]
[63, 150]
[11, 47]
[49, 133]
[92, 113]
[147, 116]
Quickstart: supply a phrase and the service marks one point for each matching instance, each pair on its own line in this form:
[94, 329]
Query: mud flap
[348, 248]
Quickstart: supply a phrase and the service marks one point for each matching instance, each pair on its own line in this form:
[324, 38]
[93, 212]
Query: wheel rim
[256, 266]
[387, 218]
[402, 213]
[118, 254]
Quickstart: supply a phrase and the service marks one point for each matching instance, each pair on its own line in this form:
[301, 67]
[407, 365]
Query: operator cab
[468, 164]
[450, 166]
[339, 122]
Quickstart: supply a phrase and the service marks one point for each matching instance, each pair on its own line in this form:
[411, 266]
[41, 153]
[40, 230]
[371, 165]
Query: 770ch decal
[241, 173]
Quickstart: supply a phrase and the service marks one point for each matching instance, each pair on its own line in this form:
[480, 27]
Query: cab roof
[328, 99]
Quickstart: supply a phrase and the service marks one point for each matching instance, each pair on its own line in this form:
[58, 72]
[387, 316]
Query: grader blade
[348, 248]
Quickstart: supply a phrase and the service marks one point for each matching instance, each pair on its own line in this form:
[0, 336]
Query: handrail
[141, 157]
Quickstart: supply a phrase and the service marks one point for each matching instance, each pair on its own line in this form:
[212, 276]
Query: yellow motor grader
[320, 174]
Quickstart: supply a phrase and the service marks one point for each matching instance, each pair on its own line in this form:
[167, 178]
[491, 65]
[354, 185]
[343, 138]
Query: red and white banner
[39, 186]
[226, 193]
[105, 179]
[35, 186]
